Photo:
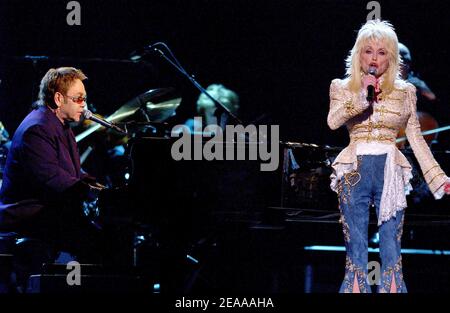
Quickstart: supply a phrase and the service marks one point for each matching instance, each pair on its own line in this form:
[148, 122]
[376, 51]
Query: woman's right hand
[369, 80]
[447, 186]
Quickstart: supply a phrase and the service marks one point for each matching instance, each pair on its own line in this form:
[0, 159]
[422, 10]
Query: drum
[306, 178]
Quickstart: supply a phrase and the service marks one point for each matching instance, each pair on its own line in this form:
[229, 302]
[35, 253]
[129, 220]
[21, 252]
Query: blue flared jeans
[358, 190]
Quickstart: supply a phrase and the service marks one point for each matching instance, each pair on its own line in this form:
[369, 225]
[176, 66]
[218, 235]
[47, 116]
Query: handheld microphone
[90, 116]
[371, 88]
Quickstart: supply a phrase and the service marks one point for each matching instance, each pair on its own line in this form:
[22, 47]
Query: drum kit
[145, 114]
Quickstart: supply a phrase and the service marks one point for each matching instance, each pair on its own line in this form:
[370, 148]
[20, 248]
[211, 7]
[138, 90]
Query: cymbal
[157, 105]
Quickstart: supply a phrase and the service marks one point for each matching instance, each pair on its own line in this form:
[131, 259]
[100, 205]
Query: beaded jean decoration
[357, 191]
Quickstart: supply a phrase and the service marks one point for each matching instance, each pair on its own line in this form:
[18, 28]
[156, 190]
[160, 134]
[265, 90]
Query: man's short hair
[57, 80]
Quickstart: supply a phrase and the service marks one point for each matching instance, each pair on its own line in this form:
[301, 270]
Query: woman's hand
[369, 80]
[447, 186]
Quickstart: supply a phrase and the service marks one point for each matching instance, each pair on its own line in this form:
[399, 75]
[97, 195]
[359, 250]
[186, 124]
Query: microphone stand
[220, 106]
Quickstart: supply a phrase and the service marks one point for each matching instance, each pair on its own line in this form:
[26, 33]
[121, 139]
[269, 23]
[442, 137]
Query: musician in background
[427, 103]
[408, 75]
[208, 110]
[43, 184]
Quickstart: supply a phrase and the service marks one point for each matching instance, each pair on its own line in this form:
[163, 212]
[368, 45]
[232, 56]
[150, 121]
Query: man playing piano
[43, 184]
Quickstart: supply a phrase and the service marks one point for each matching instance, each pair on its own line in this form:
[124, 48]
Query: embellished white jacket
[374, 131]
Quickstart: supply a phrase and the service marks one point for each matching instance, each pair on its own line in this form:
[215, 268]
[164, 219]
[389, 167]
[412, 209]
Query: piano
[188, 197]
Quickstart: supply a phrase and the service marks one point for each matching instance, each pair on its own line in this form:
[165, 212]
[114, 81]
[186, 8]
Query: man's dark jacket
[42, 166]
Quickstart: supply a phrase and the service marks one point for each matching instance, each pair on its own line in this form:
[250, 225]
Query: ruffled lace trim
[396, 179]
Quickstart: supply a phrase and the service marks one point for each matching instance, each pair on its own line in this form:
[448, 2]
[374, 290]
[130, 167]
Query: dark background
[279, 56]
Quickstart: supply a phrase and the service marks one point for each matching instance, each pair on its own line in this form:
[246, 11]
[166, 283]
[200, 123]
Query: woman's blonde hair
[374, 30]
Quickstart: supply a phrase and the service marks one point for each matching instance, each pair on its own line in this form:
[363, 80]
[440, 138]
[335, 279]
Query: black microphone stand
[220, 106]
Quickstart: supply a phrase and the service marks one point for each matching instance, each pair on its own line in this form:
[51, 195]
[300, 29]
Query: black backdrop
[280, 56]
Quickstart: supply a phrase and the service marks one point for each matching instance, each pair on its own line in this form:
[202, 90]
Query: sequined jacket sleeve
[432, 172]
[344, 104]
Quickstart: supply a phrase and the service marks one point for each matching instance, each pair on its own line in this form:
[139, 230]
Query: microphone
[90, 116]
[371, 88]
[137, 55]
